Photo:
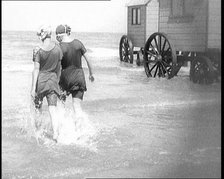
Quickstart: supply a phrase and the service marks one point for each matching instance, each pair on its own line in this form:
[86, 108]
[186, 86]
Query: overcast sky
[82, 16]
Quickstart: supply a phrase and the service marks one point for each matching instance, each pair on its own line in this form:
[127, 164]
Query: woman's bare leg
[54, 121]
[76, 102]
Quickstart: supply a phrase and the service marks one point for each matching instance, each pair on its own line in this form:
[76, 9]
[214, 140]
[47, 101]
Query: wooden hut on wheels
[143, 16]
[190, 28]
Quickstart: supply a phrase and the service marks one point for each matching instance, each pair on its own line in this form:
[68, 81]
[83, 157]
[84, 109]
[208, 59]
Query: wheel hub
[159, 58]
[126, 52]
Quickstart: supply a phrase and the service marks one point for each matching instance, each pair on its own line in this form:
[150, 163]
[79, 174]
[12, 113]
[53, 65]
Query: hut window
[181, 10]
[136, 16]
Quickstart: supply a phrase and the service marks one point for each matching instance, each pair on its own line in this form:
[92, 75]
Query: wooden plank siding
[185, 36]
[152, 18]
[214, 24]
[137, 32]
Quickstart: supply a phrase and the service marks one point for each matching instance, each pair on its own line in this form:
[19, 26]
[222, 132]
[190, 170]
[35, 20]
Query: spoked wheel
[201, 71]
[159, 57]
[126, 49]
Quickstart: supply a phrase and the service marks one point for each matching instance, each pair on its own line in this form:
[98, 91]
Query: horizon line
[71, 32]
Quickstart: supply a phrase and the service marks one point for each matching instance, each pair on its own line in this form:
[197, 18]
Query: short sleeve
[60, 54]
[36, 55]
[83, 49]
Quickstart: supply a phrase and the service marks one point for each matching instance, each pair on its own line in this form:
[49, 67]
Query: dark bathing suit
[72, 76]
[47, 82]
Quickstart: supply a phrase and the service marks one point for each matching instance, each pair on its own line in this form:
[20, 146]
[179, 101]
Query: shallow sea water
[143, 127]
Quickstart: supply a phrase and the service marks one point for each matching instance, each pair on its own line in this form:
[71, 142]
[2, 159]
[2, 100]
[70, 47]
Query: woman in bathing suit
[46, 73]
[72, 76]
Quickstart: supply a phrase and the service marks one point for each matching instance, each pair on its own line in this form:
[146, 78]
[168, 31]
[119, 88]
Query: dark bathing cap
[63, 29]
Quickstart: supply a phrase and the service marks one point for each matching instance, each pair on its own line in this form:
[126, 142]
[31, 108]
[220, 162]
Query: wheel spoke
[149, 61]
[156, 70]
[160, 40]
[167, 50]
[128, 59]
[168, 69]
[164, 68]
[156, 44]
[161, 70]
[153, 49]
[167, 64]
[152, 67]
[164, 44]
[150, 53]
[125, 58]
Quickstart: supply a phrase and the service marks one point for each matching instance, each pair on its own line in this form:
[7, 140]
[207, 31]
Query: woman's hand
[91, 78]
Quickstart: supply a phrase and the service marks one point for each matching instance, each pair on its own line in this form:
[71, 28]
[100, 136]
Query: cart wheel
[159, 57]
[202, 71]
[126, 49]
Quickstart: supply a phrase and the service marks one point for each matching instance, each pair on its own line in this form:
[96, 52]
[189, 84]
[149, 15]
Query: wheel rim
[159, 56]
[126, 49]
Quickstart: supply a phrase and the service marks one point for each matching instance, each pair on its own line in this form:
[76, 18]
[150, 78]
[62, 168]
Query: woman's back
[72, 53]
[49, 58]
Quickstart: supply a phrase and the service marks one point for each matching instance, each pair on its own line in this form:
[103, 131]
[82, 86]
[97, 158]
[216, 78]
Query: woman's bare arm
[35, 74]
[89, 67]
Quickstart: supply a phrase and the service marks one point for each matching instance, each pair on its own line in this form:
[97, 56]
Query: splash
[74, 128]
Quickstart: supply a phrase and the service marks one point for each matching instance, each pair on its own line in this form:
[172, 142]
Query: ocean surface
[140, 127]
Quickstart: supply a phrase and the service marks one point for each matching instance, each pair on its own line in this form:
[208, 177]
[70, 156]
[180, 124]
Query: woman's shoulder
[57, 48]
[77, 44]
[77, 41]
[74, 43]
